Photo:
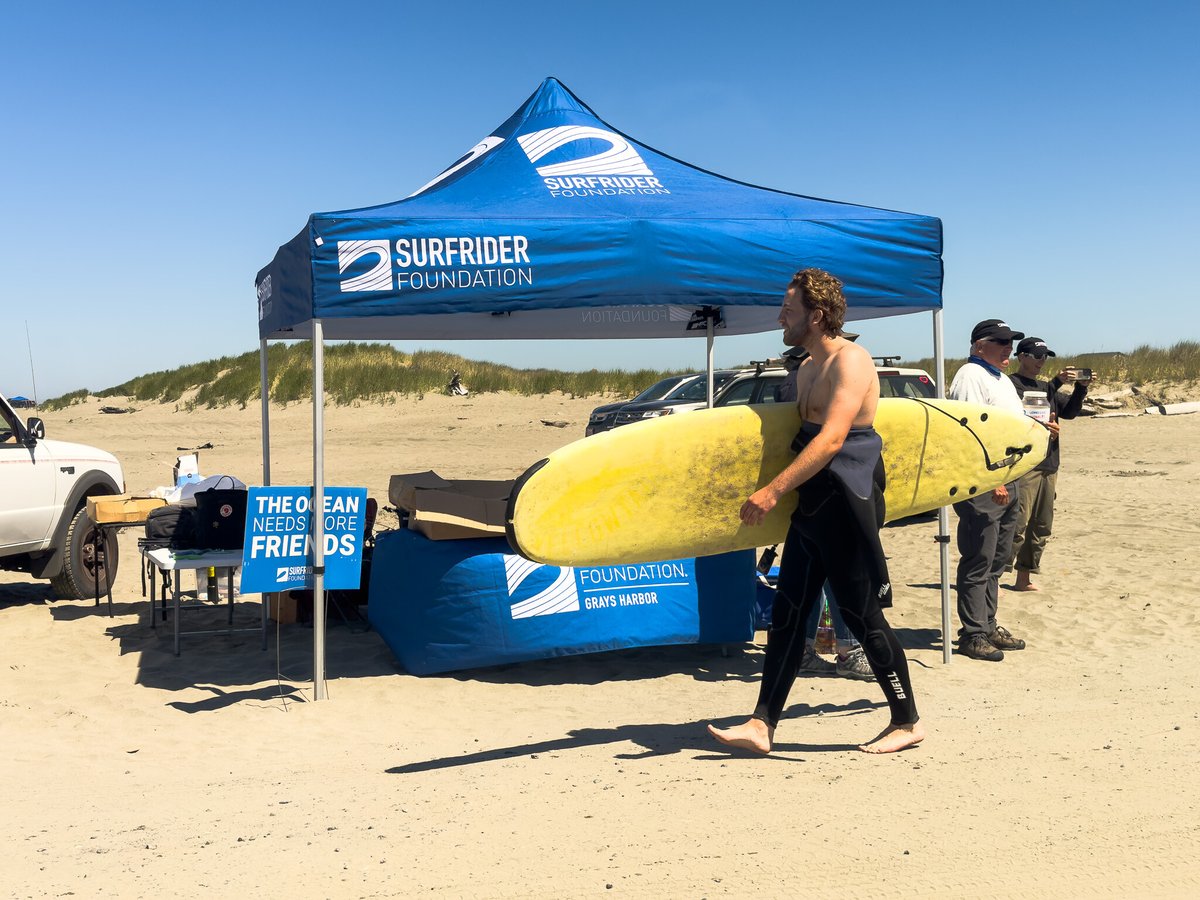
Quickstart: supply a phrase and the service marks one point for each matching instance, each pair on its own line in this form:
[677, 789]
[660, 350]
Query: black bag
[171, 526]
[220, 517]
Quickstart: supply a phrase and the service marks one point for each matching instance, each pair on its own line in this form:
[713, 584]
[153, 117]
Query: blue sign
[448, 605]
[278, 554]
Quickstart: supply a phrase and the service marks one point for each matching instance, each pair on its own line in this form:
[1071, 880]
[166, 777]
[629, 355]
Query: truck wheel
[78, 579]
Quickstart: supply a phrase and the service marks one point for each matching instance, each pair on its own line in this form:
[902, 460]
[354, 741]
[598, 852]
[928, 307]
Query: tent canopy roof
[557, 225]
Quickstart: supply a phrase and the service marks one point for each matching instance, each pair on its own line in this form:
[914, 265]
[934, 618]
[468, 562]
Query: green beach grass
[378, 373]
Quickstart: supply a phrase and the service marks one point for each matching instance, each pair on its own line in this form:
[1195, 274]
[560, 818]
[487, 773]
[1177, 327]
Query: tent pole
[266, 432]
[266, 412]
[709, 337]
[318, 506]
[943, 535]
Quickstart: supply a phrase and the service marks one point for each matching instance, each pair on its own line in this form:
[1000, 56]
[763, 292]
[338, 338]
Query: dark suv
[604, 417]
[692, 394]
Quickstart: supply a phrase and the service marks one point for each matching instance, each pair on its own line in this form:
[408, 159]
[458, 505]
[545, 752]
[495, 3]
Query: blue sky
[155, 155]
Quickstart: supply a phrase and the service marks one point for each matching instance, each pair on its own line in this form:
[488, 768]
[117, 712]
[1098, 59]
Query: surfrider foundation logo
[617, 170]
[560, 597]
[489, 143]
[264, 298]
[376, 278]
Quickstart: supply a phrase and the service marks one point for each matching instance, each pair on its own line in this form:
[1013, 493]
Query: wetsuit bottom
[824, 542]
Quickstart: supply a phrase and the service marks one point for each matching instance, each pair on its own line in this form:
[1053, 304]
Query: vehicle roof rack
[887, 360]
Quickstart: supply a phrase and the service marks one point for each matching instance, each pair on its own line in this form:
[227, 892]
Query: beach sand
[1069, 769]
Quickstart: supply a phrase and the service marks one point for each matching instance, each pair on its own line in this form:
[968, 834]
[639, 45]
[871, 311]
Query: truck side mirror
[36, 428]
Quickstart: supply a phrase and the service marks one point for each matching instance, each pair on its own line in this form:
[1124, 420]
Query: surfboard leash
[1014, 453]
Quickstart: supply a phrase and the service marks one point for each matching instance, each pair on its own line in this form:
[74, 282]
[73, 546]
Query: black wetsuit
[834, 535]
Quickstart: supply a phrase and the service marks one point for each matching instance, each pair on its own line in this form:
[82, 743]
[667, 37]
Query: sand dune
[1068, 769]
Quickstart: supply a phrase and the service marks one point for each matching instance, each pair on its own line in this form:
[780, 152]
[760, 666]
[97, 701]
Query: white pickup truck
[44, 527]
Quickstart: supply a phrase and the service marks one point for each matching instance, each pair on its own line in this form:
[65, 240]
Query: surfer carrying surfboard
[834, 532]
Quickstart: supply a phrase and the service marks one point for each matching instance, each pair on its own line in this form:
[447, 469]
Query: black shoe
[1002, 639]
[977, 646]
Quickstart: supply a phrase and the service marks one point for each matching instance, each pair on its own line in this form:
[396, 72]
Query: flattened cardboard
[284, 609]
[443, 509]
[111, 508]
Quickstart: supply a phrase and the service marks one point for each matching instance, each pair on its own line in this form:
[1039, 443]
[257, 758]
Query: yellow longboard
[671, 488]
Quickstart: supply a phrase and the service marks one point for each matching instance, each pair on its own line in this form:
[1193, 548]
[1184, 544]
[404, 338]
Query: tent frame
[320, 688]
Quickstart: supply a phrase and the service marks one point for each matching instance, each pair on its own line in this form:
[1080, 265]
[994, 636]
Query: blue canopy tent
[558, 225]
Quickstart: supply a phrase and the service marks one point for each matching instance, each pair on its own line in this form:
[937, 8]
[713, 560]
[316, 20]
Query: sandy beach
[1066, 770]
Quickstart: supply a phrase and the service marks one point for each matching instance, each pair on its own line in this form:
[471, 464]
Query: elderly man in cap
[988, 522]
[1035, 508]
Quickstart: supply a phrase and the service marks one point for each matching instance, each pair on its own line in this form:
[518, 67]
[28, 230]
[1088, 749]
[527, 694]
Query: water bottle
[825, 642]
[1037, 406]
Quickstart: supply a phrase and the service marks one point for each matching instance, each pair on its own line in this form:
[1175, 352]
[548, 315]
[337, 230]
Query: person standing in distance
[1035, 511]
[986, 523]
[834, 532]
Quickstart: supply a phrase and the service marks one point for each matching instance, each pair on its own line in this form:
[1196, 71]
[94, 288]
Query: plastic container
[1037, 406]
[825, 640]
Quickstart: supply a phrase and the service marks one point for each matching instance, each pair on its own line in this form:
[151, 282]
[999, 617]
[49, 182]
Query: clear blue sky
[154, 155]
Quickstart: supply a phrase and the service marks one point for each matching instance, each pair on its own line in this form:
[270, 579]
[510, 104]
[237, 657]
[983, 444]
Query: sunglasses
[998, 341]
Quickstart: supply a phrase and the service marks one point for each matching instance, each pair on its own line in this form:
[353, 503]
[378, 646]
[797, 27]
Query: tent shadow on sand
[233, 668]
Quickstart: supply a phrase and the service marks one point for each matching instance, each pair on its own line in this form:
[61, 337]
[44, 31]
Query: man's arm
[849, 381]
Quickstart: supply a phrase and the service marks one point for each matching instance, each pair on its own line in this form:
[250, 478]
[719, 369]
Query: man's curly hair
[817, 289]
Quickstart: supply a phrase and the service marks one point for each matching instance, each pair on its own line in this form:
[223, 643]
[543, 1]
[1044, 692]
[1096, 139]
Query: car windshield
[658, 390]
[697, 388]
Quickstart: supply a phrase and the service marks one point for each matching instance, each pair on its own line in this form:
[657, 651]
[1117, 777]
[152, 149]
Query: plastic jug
[1037, 406]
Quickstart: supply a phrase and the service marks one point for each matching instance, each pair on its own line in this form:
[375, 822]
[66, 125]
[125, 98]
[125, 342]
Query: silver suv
[762, 384]
[897, 382]
[44, 526]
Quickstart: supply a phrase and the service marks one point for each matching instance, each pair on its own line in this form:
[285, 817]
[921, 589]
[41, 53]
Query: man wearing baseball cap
[1035, 509]
[986, 523]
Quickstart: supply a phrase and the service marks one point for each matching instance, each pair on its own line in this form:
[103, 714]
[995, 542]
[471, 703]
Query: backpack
[171, 526]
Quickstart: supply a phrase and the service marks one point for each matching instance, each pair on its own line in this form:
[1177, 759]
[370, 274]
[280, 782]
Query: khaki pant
[1035, 518]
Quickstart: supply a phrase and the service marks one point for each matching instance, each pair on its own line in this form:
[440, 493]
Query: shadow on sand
[656, 739]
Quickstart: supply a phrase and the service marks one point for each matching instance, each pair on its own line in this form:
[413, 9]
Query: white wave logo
[378, 277]
[559, 597]
[619, 159]
[264, 298]
[491, 142]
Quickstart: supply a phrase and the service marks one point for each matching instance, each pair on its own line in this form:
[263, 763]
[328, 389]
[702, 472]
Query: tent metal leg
[943, 535]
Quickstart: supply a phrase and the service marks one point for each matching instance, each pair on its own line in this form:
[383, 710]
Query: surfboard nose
[966, 449]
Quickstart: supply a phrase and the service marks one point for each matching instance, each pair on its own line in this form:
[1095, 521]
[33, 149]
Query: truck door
[28, 478]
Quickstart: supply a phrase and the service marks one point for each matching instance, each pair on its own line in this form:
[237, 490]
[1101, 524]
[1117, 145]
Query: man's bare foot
[754, 735]
[895, 737]
[1023, 583]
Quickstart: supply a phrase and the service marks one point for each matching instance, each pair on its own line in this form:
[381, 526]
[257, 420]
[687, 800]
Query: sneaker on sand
[855, 665]
[814, 664]
[1002, 639]
[977, 646]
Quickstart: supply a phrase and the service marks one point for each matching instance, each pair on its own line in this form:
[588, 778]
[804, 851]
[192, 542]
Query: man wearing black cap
[987, 523]
[1035, 510]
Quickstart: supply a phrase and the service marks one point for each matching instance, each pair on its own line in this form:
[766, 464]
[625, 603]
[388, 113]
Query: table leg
[175, 606]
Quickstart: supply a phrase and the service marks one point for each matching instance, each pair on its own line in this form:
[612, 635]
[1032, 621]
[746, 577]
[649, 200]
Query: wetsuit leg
[865, 619]
[797, 590]
[847, 563]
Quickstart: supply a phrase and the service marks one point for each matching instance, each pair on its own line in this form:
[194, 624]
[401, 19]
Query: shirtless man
[834, 534]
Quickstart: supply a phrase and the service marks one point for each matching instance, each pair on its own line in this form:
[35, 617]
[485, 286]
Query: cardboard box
[443, 509]
[112, 508]
[284, 608]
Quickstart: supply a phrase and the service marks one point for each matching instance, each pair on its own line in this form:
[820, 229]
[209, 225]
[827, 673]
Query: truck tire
[78, 579]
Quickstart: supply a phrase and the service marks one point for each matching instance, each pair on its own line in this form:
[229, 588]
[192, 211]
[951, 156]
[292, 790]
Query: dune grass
[372, 372]
[1179, 363]
[356, 372]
